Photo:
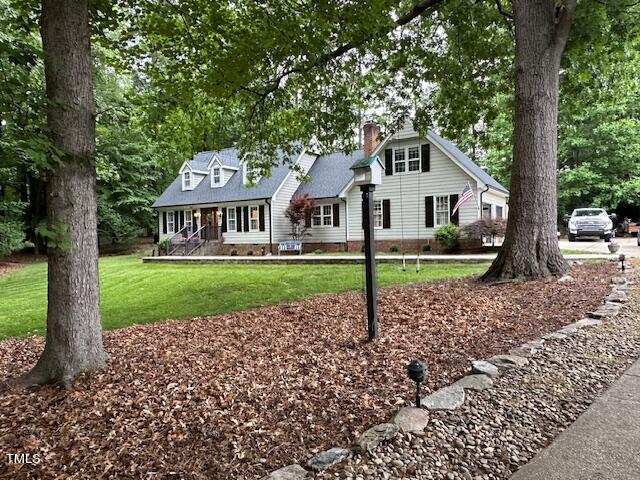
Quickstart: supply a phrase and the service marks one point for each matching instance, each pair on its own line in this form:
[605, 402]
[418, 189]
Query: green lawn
[135, 293]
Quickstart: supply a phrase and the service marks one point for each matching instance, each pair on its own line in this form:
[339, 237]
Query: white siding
[281, 226]
[407, 192]
[495, 199]
[329, 234]
[247, 237]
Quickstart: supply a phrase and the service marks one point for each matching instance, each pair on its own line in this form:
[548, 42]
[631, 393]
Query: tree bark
[74, 335]
[530, 249]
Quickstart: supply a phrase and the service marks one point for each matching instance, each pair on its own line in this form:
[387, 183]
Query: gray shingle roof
[234, 190]
[330, 174]
[466, 162]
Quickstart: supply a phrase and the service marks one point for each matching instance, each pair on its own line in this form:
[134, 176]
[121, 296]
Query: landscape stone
[290, 472]
[618, 280]
[376, 435]
[411, 420]
[555, 336]
[618, 296]
[588, 322]
[328, 458]
[477, 382]
[508, 361]
[565, 279]
[447, 398]
[482, 366]
[606, 310]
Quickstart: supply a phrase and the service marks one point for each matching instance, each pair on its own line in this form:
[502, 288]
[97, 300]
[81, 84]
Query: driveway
[628, 245]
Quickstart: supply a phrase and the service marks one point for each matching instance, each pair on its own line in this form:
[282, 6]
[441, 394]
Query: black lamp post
[418, 373]
[622, 259]
[367, 173]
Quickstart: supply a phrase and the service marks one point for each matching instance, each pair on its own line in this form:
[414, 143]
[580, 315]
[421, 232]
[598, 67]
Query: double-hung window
[377, 214]
[170, 222]
[399, 161]
[322, 216]
[406, 159]
[231, 220]
[188, 219]
[413, 153]
[216, 174]
[254, 219]
[442, 210]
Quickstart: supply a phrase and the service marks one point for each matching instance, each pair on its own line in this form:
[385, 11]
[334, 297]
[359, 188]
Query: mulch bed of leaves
[7, 267]
[238, 395]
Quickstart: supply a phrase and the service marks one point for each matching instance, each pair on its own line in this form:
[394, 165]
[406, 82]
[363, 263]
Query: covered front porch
[191, 230]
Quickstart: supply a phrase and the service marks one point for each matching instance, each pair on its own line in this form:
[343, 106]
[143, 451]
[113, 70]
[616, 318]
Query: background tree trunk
[530, 249]
[74, 335]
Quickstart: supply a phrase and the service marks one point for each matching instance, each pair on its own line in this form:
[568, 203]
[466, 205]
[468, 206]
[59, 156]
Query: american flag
[466, 194]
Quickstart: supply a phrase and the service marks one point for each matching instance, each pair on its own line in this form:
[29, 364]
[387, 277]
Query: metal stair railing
[173, 244]
[198, 242]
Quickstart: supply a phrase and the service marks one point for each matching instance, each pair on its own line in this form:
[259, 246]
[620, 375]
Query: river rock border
[479, 377]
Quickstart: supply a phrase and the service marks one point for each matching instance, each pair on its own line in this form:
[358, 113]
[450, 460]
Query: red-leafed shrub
[300, 208]
[486, 228]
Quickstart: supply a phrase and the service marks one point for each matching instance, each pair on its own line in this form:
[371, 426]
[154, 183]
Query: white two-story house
[216, 195]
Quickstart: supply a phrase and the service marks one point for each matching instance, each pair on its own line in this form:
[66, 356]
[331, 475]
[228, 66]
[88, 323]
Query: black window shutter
[453, 218]
[245, 214]
[336, 214]
[307, 218]
[426, 157]
[164, 222]
[224, 220]
[181, 218]
[386, 213]
[428, 211]
[388, 161]
[261, 217]
[176, 221]
[238, 219]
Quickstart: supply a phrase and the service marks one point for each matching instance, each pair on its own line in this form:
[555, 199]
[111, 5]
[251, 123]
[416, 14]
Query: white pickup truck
[590, 222]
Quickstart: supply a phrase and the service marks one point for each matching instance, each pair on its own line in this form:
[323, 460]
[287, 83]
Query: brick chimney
[371, 133]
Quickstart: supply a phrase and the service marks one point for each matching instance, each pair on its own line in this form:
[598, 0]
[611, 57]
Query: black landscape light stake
[418, 373]
[622, 259]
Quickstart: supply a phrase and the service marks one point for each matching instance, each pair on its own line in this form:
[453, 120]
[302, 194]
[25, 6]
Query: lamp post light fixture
[622, 258]
[418, 373]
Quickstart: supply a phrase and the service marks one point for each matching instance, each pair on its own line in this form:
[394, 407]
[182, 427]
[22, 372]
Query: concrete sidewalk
[602, 444]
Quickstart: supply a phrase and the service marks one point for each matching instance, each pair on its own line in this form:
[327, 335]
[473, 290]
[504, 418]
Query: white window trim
[257, 229]
[171, 222]
[322, 216]
[219, 183]
[184, 180]
[381, 215]
[435, 210]
[235, 220]
[406, 159]
[188, 219]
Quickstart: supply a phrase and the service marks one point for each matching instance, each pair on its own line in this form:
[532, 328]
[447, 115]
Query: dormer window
[216, 176]
[186, 176]
[251, 175]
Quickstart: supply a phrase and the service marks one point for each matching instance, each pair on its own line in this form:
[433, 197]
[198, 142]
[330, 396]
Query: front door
[210, 222]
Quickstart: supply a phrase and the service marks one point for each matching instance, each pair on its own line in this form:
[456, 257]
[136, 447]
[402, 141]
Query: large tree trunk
[530, 249]
[74, 335]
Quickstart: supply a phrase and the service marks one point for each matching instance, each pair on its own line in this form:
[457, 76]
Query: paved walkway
[329, 259]
[602, 444]
[628, 246]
